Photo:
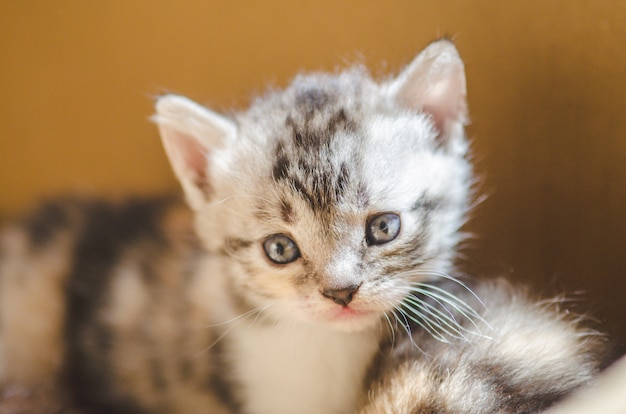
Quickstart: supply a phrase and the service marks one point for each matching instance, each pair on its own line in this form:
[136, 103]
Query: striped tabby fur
[309, 271]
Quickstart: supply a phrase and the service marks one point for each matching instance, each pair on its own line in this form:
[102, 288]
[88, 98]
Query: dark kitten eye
[382, 228]
[281, 249]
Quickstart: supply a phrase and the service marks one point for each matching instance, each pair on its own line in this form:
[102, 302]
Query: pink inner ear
[445, 101]
[193, 156]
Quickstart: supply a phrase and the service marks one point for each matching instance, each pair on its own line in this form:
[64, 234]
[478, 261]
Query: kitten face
[334, 196]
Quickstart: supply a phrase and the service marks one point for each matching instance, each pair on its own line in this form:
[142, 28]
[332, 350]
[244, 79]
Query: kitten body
[311, 274]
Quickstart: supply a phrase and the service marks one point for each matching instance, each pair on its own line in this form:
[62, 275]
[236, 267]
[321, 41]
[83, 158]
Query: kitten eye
[382, 228]
[281, 249]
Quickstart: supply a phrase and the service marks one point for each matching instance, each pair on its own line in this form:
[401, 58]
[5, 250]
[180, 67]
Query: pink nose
[341, 296]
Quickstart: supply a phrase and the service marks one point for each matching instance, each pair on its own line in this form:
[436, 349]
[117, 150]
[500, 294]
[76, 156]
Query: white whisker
[444, 315]
[425, 322]
[445, 296]
[442, 321]
[257, 310]
[233, 323]
[406, 327]
[392, 330]
[454, 303]
[446, 276]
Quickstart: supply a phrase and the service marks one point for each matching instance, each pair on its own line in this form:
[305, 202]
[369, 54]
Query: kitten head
[334, 196]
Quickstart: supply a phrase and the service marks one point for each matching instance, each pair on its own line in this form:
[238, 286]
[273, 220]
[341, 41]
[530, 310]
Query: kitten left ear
[434, 83]
[190, 132]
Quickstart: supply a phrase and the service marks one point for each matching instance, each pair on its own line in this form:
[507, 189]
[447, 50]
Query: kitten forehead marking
[314, 154]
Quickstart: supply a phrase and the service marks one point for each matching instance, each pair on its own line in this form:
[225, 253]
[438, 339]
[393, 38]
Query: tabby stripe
[107, 232]
[49, 218]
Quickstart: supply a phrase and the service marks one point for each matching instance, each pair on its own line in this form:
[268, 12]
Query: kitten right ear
[190, 132]
[434, 83]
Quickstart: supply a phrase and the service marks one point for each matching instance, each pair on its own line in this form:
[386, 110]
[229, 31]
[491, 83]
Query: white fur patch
[299, 368]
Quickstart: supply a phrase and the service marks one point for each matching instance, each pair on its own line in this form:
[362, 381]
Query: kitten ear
[190, 132]
[434, 83]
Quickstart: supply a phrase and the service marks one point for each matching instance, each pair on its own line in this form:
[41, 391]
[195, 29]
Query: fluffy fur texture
[310, 274]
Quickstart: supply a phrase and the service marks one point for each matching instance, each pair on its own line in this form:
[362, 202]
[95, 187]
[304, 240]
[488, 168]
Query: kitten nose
[341, 296]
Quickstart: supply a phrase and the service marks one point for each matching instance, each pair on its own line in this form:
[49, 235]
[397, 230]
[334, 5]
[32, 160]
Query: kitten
[310, 273]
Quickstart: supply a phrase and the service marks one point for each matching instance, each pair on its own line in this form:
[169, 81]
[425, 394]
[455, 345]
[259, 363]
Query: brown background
[547, 95]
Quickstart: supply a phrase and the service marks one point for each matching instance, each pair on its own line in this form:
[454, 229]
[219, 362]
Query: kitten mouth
[348, 313]
[349, 319]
